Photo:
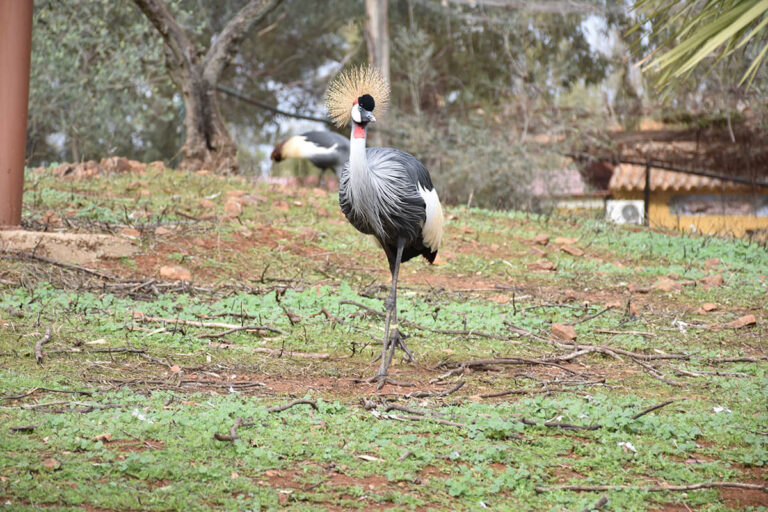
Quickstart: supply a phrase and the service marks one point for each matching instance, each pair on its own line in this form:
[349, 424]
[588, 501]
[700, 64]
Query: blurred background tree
[489, 93]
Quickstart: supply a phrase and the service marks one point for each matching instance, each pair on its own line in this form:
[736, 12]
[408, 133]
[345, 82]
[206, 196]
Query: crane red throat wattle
[358, 131]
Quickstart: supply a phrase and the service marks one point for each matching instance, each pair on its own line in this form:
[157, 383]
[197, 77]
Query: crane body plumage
[387, 193]
[326, 150]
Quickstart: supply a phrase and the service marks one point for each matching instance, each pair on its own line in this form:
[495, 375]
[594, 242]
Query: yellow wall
[659, 215]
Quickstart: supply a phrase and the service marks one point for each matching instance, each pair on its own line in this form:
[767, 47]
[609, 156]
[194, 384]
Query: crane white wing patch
[432, 231]
[299, 147]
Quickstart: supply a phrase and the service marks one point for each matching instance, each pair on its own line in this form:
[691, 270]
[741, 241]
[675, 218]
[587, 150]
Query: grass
[124, 411]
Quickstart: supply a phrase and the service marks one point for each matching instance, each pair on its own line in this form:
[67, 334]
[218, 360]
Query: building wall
[659, 215]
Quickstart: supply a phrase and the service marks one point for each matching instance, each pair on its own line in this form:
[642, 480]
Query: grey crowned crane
[384, 192]
[326, 150]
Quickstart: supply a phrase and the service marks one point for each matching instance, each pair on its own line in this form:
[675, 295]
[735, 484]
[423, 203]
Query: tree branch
[176, 40]
[227, 42]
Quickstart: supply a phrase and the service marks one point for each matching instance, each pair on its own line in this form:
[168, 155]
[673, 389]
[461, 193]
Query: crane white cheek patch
[432, 231]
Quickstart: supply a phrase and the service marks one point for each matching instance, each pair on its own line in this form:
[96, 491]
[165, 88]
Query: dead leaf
[235, 193]
[175, 368]
[744, 321]
[104, 438]
[541, 239]
[234, 475]
[175, 273]
[565, 241]
[712, 262]
[573, 251]
[708, 306]
[206, 203]
[564, 332]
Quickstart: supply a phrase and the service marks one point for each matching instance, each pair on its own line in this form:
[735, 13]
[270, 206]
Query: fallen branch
[656, 374]
[24, 428]
[639, 333]
[282, 408]
[651, 409]
[242, 328]
[232, 437]
[39, 345]
[652, 488]
[427, 394]
[737, 359]
[289, 353]
[213, 325]
[598, 505]
[408, 323]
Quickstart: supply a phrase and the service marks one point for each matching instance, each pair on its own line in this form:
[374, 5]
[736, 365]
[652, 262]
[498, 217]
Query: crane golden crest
[348, 86]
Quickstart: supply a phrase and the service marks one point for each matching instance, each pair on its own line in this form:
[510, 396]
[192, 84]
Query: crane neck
[358, 163]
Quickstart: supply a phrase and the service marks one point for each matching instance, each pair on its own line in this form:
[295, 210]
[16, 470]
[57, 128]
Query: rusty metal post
[15, 52]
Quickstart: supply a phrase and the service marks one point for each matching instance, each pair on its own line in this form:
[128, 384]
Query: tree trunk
[208, 143]
[377, 40]
[377, 35]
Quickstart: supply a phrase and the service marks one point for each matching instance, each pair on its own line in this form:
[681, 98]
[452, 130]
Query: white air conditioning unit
[622, 211]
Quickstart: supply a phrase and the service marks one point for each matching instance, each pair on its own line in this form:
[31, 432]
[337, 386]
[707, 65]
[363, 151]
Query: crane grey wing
[328, 139]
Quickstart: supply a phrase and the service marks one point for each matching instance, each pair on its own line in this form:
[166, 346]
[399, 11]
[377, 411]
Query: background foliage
[488, 96]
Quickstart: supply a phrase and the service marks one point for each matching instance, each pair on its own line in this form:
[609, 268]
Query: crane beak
[367, 117]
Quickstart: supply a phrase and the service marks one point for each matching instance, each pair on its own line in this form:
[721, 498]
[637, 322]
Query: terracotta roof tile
[631, 178]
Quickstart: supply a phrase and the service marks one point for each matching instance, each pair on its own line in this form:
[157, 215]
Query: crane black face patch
[366, 101]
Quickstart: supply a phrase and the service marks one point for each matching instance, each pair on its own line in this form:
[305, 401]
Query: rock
[614, 304]
[712, 281]
[51, 219]
[573, 251]
[162, 231]
[235, 193]
[712, 262]
[175, 273]
[744, 321]
[51, 463]
[565, 241]
[78, 248]
[708, 306]
[157, 165]
[636, 288]
[232, 208]
[207, 204]
[541, 239]
[564, 332]
[542, 265]
[538, 252]
[105, 438]
[130, 232]
[116, 164]
[667, 285]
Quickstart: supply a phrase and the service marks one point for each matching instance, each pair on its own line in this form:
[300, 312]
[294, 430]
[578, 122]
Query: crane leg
[392, 336]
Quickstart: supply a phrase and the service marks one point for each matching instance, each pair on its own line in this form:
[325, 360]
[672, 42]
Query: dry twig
[39, 345]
